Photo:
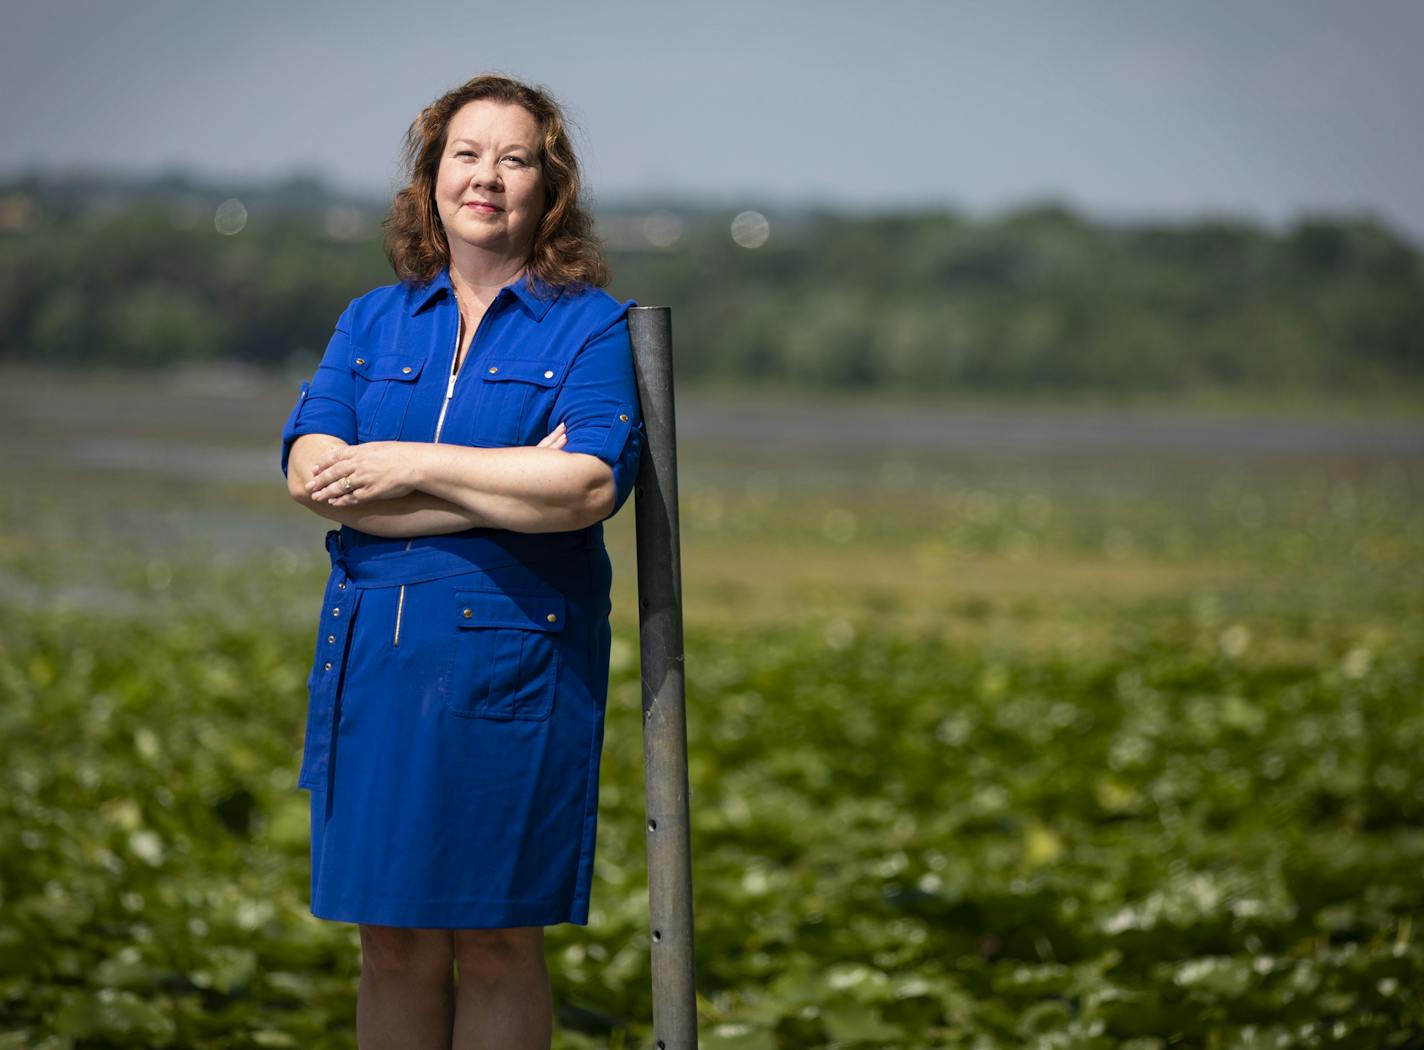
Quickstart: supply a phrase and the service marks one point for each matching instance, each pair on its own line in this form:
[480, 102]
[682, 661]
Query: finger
[326, 470]
[322, 479]
[333, 489]
[553, 435]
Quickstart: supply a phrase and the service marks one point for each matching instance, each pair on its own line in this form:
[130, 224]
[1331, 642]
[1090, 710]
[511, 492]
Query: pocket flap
[386, 366]
[524, 370]
[530, 612]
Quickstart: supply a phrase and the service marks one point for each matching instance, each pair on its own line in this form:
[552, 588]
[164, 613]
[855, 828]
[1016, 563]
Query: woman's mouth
[483, 207]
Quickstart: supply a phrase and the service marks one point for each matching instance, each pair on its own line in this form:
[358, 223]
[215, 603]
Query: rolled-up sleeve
[326, 404]
[598, 405]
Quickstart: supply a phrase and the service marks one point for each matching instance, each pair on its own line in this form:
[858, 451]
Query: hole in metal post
[657, 936]
[652, 825]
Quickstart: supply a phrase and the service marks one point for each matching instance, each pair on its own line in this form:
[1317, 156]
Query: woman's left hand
[360, 473]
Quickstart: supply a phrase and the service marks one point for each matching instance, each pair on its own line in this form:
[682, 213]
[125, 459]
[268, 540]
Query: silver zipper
[400, 608]
[449, 393]
[440, 425]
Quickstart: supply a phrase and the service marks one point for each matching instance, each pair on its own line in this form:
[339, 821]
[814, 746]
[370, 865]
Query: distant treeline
[125, 272]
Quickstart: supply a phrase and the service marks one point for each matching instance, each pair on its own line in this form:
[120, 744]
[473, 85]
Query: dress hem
[442, 916]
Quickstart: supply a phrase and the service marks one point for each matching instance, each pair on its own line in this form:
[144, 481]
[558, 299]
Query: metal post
[664, 715]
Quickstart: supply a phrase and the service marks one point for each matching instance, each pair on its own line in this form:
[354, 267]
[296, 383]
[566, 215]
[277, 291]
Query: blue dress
[456, 700]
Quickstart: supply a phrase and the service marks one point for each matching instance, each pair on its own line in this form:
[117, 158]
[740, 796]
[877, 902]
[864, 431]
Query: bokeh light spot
[343, 222]
[231, 217]
[839, 634]
[750, 229]
[662, 229]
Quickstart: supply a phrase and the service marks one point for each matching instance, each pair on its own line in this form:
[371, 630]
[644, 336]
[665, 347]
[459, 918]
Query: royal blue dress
[456, 700]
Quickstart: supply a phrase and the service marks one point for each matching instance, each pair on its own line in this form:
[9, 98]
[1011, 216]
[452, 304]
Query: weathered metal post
[664, 714]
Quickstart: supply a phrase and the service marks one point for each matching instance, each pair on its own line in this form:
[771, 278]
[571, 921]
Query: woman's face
[489, 188]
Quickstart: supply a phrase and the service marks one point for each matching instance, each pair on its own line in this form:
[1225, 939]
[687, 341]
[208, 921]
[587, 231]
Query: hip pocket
[507, 655]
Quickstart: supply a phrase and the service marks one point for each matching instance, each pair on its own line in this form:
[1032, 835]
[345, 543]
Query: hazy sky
[1127, 108]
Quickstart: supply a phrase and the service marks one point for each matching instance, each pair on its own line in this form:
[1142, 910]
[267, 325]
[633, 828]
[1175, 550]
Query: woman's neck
[479, 277]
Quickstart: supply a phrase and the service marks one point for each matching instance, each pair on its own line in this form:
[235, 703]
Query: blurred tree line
[134, 272]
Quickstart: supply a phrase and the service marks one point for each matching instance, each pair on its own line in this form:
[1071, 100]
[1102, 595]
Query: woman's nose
[485, 173]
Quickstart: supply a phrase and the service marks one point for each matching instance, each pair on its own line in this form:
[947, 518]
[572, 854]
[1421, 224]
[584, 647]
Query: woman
[470, 427]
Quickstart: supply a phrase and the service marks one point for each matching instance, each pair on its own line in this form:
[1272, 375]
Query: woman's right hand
[557, 438]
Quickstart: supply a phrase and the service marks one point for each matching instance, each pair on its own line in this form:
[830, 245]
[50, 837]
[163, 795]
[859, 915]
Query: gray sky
[1127, 109]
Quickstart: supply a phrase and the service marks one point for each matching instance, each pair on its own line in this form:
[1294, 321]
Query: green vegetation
[899, 843]
[96, 271]
[1045, 300]
[1103, 750]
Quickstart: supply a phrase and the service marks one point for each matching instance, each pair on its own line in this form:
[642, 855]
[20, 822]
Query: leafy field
[1060, 747]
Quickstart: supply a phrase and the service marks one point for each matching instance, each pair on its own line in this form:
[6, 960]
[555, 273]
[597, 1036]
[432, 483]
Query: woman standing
[469, 427]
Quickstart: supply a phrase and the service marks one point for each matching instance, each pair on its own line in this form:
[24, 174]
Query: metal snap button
[331, 639]
[336, 611]
[328, 665]
[493, 369]
[406, 370]
[467, 613]
[622, 417]
[552, 618]
[360, 360]
[549, 374]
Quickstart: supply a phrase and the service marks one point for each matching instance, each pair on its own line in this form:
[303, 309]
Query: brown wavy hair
[565, 251]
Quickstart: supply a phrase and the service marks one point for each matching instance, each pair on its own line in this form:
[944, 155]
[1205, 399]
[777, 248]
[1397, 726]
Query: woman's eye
[515, 160]
[465, 153]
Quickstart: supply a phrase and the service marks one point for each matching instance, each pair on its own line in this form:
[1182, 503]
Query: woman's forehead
[486, 122]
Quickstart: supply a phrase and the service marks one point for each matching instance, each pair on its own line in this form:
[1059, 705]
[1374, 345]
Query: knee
[393, 951]
[490, 955]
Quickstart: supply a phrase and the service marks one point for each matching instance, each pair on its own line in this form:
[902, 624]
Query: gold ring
[347, 482]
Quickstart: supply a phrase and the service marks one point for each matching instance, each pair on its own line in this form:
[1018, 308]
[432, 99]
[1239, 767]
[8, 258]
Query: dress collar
[532, 294]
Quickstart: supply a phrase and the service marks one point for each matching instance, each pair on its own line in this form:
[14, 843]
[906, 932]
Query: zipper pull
[450, 389]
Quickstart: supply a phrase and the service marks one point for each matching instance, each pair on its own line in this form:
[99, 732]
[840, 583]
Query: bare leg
[406, 999]
[502, 1001]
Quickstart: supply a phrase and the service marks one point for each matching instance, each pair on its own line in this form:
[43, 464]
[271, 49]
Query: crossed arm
[400, 489]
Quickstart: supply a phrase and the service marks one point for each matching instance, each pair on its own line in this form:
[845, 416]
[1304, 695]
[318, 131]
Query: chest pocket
[384, 385]
[518, 397]
[506, 655]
